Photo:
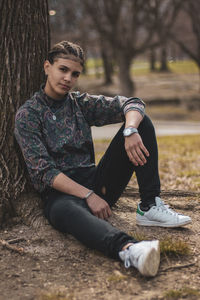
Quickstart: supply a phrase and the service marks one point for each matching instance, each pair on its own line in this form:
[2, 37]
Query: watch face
[129, 131]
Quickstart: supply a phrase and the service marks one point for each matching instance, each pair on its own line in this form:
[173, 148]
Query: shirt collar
[50, 101]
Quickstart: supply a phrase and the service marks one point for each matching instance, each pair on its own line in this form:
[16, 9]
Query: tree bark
[24, 42]
[163, 60]
[108, 67]
[126, 83]
[152, 59]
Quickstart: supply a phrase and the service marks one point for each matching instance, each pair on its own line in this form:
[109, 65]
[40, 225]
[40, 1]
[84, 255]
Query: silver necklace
[54, 117]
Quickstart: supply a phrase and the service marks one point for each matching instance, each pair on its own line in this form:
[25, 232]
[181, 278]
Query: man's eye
[76, 74]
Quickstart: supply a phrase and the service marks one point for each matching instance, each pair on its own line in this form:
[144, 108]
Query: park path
[163, 128]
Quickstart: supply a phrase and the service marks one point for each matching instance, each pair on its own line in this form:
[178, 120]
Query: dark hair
[66, 49]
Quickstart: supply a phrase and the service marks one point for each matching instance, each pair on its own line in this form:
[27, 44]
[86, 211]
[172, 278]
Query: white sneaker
[161, 215]
[144, 256]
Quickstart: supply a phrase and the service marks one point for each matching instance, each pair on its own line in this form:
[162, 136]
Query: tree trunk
[97, 67]
[163, 60]
[199, 76]
[126, 83]
[24, 42]
[108, 67]
[152, 59]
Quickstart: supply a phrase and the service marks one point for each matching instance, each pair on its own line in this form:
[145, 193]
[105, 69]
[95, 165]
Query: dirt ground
[56, 266]
[45, 264]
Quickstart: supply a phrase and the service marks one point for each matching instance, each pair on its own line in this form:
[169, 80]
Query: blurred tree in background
[131, 28]
[165, 14]
[123, 25]
[187, 33]
[121, 30]
[24, 42]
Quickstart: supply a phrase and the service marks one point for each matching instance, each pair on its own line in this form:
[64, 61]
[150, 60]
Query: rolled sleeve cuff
[49, 177]
[136, 106]
[137, 109]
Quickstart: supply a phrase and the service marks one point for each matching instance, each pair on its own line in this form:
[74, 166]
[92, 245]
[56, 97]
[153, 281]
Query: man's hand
[99, 207]
[135, 149]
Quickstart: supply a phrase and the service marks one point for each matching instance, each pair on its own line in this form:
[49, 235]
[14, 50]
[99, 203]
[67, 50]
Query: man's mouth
[65, 87]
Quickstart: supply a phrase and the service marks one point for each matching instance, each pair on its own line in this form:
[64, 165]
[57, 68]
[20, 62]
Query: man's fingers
[144, 149]
[104, 213]
[132, 158]
[137, 157]
[140, 156]
[107, 212]
[101, 215]
[136, 150]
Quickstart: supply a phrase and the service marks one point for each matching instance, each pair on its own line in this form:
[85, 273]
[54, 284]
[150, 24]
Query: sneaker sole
[151, 262]
[159, 224]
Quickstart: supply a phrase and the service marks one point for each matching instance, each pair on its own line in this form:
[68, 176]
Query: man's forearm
[66, 185]
[98, 206]
[133, 118]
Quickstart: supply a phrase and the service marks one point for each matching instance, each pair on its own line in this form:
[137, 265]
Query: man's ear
[46, 66]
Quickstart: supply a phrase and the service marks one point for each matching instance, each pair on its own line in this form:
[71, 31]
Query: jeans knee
[146, 125]
[58, 213]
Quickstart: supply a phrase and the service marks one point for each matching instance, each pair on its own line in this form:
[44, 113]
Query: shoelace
[127, 261]
[166, 208]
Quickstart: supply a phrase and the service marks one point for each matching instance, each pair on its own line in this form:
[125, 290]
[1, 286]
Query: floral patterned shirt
[55, 135]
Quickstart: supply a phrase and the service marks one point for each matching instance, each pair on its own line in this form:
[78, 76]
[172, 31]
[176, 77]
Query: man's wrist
[88, 194]
[129, 131]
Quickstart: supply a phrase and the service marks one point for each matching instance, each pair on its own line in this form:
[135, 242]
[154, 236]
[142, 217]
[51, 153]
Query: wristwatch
[129, 130]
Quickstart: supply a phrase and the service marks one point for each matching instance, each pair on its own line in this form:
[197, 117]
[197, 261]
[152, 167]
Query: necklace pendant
[54, 117]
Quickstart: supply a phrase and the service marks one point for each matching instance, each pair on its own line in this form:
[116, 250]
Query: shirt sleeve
[41, 166]
[102, 110]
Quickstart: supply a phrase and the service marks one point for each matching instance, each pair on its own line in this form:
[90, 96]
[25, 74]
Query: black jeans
[71, 214]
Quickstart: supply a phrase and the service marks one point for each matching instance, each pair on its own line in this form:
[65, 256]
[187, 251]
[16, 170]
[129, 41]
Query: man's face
[61, 77]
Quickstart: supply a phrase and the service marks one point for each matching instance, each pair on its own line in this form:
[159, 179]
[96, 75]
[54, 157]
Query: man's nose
[67, 77]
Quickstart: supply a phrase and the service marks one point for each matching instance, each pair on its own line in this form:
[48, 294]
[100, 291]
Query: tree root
[178, 267]
[129, 191]
[7, 245]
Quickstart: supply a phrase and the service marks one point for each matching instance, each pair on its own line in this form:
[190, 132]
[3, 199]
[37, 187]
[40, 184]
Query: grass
[55, 295]
[183, 67]
[92, 62]
[117, 276]
[183, 293]
[168, 245]
[179, 161]
[172, 247]
[50, 296]
[178, 67]
[141, 67]
[55, 292]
